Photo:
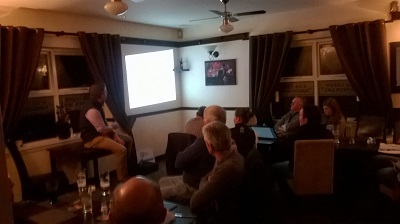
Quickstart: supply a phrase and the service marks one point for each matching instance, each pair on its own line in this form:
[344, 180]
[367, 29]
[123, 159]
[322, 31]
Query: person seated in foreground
[244, 136]
[218, 194]
[96, 134]
[310, 128]
[195, 161]
[289, 123]
[383, 170]
[194, 125]
[138, 200]
[332, 117]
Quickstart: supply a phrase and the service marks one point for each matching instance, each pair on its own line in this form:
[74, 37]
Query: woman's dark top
[244, 137]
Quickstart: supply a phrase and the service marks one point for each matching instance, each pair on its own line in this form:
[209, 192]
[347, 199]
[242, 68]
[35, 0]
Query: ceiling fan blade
[233, 19]
[194, 20]
[250, 13]
[217, 12]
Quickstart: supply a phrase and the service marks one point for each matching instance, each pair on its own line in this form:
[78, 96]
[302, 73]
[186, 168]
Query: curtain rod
[62, 33]
[327, 29]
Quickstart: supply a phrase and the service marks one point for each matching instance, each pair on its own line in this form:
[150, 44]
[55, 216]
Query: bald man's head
[214, 113]
[138, 200]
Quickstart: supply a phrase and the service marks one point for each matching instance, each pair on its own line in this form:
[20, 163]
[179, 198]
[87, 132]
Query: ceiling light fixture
[226, 27]
[116, 7]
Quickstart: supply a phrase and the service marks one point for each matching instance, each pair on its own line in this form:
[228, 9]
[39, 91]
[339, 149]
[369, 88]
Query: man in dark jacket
[310, 128]
[195, 161]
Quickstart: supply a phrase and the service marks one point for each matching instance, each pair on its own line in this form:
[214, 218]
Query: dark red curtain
[103, 55]
[268, 55]
[362, 51]
[20, 51]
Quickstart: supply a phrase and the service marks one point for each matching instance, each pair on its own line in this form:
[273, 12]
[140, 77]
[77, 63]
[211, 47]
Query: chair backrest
[256, 197]
[313, 167]
[176, 142]
[370, 126]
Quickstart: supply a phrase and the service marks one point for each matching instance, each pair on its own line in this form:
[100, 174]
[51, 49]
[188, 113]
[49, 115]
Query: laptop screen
[264, 132]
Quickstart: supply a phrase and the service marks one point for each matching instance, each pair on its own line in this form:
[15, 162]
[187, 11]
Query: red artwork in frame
[221, 72]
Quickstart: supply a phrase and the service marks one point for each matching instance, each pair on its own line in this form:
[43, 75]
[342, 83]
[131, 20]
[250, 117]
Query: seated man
[289, 123]
[285, 127]
[310, 128]
[218, 195]
[138, 200]
[195, 161]
[194, 125]
[96, 134]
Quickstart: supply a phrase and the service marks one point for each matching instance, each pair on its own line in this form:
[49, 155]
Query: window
[72, 71]
[299, 62]
[328, 60]
[62, 77]
[313, 71]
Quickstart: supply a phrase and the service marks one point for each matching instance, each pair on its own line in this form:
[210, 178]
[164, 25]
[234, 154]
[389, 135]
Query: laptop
[266, 135]
[170, 206]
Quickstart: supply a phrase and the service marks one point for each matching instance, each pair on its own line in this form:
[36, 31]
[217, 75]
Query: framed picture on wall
[221, 72]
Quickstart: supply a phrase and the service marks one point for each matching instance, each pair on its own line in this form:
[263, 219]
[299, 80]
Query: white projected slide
[150, 78]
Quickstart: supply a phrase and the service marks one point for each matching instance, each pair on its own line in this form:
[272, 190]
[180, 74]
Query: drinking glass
[86, 200]
[105, 182]
[104, 209]
[81, 181]
[51, 188]
[335, 132]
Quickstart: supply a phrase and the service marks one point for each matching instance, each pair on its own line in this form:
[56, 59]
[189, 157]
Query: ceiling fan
[228, 17]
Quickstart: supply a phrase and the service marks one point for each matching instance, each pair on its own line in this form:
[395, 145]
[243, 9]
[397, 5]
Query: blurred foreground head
[138, 200]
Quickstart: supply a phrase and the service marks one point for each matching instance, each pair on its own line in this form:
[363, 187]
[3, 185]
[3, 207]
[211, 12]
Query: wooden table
[67, 210]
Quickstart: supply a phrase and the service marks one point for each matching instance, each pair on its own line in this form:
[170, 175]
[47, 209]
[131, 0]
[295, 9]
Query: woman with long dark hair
[333, 117]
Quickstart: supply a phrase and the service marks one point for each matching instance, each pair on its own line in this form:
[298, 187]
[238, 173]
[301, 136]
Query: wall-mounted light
[181, 67]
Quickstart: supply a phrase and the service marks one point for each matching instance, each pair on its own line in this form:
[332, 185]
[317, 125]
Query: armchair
[176, 142]
[313, 167]
[371, 126]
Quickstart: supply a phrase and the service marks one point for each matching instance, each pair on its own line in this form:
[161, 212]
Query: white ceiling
[174, 13]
